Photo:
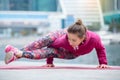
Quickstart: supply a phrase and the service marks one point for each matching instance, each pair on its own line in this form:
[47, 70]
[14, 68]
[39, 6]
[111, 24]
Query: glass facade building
[28, 5]
[118, 4]
[110, 5]
[24, 17]
[34, 13]
[111, 10]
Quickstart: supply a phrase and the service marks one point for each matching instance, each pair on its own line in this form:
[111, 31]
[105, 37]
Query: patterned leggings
[39, 49]
[48, 52]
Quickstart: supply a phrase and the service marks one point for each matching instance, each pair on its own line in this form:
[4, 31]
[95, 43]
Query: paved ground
[56, 74]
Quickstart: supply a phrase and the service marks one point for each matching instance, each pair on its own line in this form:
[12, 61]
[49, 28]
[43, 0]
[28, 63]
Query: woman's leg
[39, 53]
[13, 53]
[65, 54]
[49, 53]
[61, 54]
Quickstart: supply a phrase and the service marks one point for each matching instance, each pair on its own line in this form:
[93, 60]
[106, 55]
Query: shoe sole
[8, 57]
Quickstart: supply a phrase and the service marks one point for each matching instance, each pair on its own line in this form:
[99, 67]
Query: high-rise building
[18, 15]
[111, 10]
[28, 5]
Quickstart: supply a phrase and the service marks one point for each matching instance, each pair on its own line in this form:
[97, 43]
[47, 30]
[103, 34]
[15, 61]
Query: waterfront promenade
[56, 74]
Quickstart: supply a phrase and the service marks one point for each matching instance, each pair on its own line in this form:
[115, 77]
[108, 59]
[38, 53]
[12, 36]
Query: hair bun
[78, 22]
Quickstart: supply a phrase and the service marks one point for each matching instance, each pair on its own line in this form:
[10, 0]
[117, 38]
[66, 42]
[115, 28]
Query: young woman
[64, 44]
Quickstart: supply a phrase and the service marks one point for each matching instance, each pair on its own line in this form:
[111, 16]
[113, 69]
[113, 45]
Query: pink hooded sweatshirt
[92, 41]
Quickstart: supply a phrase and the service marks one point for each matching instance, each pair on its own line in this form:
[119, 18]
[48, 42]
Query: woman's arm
[101, 52]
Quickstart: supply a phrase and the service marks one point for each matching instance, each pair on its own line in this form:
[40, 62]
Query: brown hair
[77, 28]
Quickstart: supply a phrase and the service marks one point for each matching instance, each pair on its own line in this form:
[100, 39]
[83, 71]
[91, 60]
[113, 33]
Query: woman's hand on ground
[103, 66]
[49, 65]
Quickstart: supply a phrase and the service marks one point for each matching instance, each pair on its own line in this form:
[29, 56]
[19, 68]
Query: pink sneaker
[10, 54]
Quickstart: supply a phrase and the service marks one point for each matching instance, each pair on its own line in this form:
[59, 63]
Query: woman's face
[74, 40]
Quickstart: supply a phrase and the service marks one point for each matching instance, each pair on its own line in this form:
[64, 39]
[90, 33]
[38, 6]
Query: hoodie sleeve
[101, 52]
[49, 60]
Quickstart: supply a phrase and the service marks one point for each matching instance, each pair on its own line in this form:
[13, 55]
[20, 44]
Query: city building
[23, 17]
[111, 12]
